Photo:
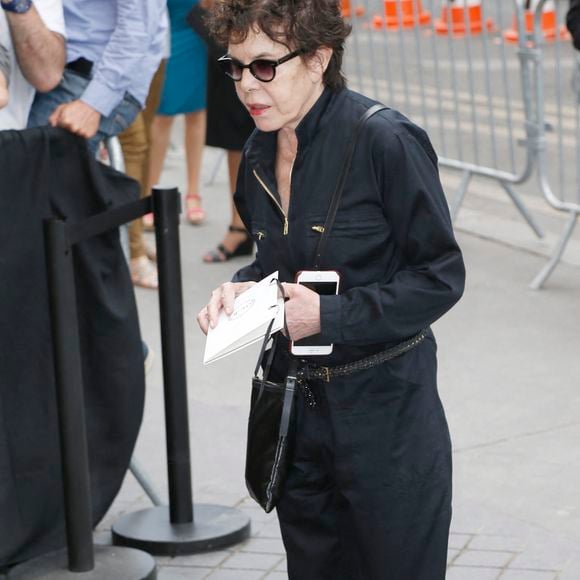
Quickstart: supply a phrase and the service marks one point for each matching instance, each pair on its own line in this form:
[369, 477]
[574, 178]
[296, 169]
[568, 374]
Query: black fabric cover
[49, 172]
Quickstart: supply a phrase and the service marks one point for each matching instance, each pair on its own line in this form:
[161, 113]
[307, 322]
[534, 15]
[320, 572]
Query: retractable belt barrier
[474, 74]
[159, 530]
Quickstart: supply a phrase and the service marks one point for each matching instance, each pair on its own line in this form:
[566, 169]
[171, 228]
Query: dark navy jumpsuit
[368, 494]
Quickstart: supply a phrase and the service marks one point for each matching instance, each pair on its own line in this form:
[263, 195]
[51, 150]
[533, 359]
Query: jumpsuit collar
[263, 145]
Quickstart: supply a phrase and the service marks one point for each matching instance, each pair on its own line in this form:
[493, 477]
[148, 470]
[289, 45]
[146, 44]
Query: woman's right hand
[222, 298]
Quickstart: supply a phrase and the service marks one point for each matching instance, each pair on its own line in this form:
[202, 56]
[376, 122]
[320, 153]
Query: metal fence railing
[474, 74]
[558, 123]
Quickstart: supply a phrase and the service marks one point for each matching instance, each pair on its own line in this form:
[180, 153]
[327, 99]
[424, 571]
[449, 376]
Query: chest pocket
[356, 247]
[345, 226]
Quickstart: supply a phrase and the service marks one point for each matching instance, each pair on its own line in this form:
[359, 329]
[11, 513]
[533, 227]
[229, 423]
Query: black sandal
[220, 254]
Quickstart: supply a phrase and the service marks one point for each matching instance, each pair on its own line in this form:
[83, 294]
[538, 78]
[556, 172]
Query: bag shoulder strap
[267, 336]
[336, 196]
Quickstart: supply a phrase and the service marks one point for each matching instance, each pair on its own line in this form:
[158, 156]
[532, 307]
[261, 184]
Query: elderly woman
[368, 490]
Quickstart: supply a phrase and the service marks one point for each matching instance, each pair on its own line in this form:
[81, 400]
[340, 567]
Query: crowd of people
[105, 69]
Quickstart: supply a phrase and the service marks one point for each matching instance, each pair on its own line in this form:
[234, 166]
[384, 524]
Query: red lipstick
[256, 110]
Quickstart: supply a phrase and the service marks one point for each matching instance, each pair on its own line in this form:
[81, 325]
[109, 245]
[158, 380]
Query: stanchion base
[110, 562]
[214, 527]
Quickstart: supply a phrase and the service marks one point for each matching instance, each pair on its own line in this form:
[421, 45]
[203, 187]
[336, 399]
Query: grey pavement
[509, 379]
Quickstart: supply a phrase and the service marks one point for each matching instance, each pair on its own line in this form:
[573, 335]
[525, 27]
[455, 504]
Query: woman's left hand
[302, 311]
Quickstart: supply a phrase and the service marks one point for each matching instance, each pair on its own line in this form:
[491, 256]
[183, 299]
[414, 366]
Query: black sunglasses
[264, 70]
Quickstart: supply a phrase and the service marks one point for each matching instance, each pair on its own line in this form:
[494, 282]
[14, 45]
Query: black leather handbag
[272, 403]
[267, 446]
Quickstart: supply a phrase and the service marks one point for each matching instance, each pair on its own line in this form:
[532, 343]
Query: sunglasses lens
[231, 68]
[263, 70]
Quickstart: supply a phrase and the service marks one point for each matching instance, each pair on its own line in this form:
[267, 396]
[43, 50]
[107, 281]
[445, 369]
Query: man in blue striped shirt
[113, 49]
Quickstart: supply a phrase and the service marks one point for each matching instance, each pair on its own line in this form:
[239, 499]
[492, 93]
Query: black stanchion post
[110, 562]
[174, 530]
[167, 209]
[70, 398]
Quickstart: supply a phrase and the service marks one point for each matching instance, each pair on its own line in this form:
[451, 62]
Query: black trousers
[368, 494]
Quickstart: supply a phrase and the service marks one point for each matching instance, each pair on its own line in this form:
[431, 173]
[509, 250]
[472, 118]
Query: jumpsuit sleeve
[430, 275]
[252, 272]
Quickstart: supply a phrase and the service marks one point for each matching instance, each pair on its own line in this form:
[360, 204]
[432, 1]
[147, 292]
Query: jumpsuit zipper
[308, 394]
[273, 197]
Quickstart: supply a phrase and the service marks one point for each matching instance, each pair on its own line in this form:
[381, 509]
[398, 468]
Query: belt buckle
[325, 374]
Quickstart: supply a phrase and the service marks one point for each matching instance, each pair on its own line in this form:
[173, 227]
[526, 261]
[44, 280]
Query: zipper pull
[319, 229]
[260, 235]
[285, 226]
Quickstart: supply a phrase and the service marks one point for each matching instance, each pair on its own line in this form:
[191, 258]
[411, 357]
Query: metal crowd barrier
[473, 75]
[557, 92]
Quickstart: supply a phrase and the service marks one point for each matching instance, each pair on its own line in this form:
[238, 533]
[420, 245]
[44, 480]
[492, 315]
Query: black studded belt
[312, 372]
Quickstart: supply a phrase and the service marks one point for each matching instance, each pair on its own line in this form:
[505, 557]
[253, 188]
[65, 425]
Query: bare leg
[3, 90]
[160, 135]
[236, 234]
[194, 144]
[232, 239]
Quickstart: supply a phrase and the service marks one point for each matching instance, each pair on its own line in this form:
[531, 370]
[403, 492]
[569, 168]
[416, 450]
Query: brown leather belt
[321, 373]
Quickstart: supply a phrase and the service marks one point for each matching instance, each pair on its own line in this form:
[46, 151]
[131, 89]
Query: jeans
[70, 88]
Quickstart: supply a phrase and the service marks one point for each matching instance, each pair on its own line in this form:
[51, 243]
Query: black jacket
[392, 241]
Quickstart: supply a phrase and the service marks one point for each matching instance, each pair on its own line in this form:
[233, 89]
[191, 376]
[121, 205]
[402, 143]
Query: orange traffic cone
[346, 11]
[378, 22]
[462, 17]
[549, 23]
[405, 14]
[345, 8]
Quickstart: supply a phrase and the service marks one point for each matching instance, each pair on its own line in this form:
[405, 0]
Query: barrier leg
[460, 194]
[83, 561]
[550, 266]
[144, 481]
[173, 530]
[216, 167]
[517, 200]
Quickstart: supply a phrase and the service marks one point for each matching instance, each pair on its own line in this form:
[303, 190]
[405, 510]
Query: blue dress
[186, 73]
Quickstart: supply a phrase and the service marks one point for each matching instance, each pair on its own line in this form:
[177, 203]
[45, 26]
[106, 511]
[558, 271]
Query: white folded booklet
[254, 309]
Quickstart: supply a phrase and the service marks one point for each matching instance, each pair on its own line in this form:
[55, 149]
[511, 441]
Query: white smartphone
[324, 283]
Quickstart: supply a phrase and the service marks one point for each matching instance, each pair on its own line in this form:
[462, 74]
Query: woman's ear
[319, 62]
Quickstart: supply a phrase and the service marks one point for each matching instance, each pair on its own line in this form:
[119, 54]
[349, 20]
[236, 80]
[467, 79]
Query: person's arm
[431, 274]
[40, 52]
[253, 271]
[137, 25]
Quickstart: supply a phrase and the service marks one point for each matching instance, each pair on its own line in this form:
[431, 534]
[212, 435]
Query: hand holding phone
[323, 283]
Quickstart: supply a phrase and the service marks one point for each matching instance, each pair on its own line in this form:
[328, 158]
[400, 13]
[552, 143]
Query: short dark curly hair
[298, 24]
